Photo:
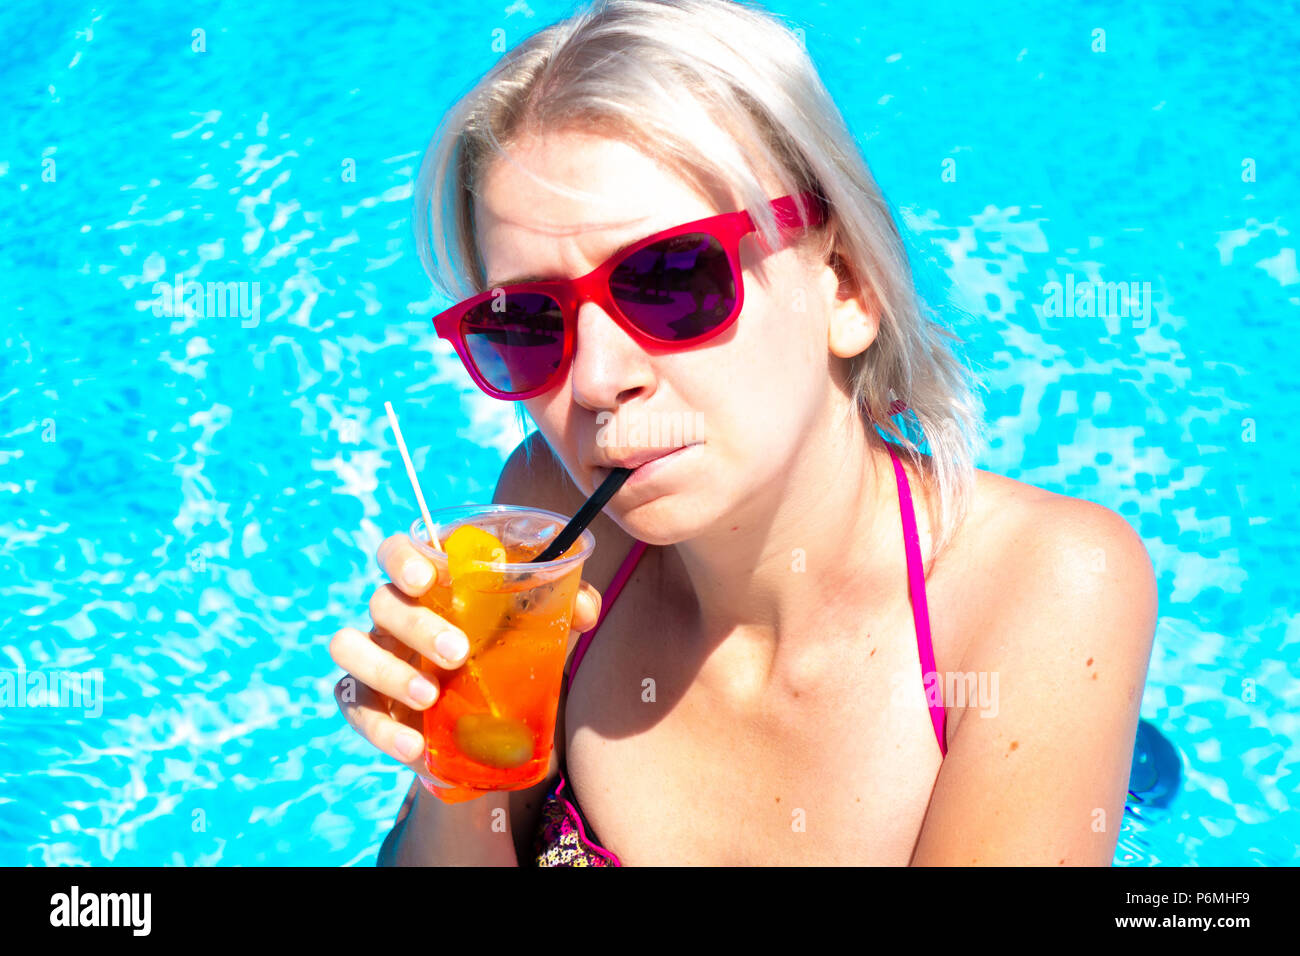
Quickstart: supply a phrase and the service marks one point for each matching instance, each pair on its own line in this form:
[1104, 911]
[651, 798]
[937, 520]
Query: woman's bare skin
[716, 768]
[788, 723]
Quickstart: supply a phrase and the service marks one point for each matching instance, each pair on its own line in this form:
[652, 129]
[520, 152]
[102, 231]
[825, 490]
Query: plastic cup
[493, 724]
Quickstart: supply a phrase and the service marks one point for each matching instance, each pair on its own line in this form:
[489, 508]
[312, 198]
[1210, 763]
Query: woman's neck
[825, 542]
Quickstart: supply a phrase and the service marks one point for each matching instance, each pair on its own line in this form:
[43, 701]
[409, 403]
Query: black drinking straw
[585, 516]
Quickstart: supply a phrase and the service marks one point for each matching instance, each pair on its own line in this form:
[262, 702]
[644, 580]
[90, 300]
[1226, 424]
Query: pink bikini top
[565, 838]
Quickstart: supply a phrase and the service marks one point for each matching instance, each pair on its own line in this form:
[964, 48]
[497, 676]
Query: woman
[821, 645]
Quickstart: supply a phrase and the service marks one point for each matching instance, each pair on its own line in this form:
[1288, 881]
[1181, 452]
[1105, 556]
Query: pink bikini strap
[916, 590]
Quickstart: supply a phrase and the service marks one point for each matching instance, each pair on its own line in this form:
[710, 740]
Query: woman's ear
[855, 315]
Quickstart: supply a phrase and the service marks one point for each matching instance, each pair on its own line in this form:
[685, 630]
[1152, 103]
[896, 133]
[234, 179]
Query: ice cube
[529, 530]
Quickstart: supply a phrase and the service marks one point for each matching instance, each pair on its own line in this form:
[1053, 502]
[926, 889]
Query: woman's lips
[649, 469]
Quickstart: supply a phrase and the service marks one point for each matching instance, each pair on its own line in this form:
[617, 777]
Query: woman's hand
[384, 691]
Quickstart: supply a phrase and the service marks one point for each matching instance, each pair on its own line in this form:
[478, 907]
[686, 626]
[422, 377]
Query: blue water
[191, 505]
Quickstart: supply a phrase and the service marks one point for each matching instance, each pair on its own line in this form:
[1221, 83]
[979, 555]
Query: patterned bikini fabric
[561, 838]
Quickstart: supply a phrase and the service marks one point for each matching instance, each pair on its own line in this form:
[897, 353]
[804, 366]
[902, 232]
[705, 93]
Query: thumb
[586, 608]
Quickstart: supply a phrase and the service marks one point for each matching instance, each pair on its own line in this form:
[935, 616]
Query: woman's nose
[609, 366]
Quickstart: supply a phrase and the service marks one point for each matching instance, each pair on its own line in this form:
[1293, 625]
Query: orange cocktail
[493, 724]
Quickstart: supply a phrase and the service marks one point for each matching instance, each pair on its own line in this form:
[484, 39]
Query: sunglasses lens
[515, 341]
[677, 289]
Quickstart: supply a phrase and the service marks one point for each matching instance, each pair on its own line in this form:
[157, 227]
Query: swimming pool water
[191, 504]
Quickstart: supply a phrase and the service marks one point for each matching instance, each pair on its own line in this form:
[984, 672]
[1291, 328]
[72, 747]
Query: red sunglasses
[675, 289]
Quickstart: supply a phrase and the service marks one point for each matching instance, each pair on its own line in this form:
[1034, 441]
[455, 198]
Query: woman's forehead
[565, 180]
[605, 194]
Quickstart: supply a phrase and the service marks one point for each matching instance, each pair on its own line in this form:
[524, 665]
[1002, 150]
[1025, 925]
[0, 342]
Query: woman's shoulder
[1058, 564]
[1051, 532]
[1064, 647]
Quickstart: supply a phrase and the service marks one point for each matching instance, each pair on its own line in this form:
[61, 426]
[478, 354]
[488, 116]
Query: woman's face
[750, 397]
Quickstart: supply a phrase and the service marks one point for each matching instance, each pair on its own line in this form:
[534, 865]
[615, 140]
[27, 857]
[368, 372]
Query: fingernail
[409, 743]
[421, 691]
[452, 645]
[416, 573]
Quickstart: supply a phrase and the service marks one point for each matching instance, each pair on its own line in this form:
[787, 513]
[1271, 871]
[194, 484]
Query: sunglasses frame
[728, 228]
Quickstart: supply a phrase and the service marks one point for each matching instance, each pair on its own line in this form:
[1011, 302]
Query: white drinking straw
[410, 471]
[433, 539]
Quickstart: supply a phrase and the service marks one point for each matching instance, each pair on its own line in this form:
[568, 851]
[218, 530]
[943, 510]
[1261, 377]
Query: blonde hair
[720, 92]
